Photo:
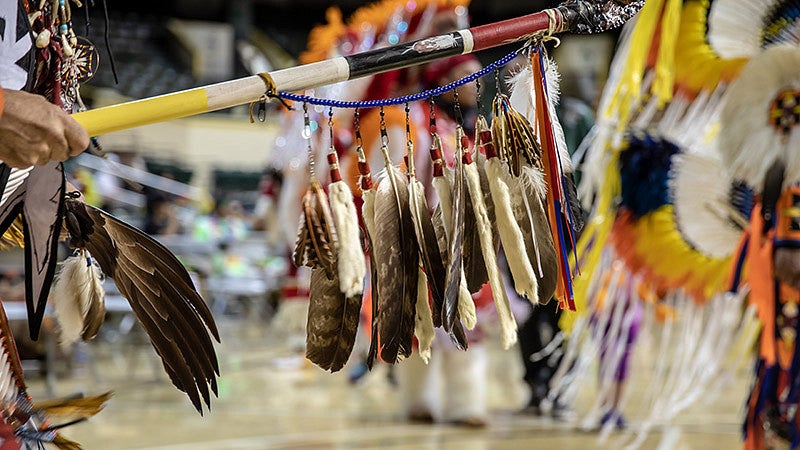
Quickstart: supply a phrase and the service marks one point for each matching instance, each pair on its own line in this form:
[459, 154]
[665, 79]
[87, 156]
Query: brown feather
[332, 322]
[428, 247]
[161, 294]
[456, 244]
[373, 343]
[474, 266]
[301, 246]
[322, 231]
[397, 260]
[536, 224]
[63, 443]
[457, 334]
[77, 407]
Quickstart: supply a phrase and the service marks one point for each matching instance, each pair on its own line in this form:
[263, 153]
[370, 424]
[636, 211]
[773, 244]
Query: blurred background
[204, 187]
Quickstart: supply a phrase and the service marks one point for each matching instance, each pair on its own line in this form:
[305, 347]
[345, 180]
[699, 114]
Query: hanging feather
[558, 205]
[457, 297]
[423, 328]
[160, 292]
[525, 282]
[79, 299]
[332, 322]
[508, 325]
[368, 215]
[427, 243]
[465, 303]
[351, 263]
[527, 201]
[397, 260]
[511, 127]
[474, 267]
[316, 238]
[455, 251]
[552, 79]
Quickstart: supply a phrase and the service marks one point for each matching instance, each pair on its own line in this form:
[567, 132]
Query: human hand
[33, 131]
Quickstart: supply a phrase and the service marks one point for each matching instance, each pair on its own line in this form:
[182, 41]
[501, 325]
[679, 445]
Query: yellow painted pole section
[144, 112]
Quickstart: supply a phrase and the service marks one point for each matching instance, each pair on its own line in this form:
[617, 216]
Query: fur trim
[423, 328]
[352, 266]
[508, 325]
[525, 282]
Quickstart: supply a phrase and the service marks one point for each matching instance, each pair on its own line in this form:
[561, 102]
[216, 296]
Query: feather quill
[332, 322]
[79, 299]
[317, 240]
[397, 264]
[508, 325]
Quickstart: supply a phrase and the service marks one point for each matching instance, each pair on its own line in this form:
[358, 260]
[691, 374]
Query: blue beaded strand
[424, 95]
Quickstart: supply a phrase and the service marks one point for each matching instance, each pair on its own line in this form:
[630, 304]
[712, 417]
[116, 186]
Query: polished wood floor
[271, 399]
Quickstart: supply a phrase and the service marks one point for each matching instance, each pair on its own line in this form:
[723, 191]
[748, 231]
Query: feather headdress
[760, 117]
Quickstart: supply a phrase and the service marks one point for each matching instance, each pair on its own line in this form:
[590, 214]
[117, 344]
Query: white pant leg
[465, 382]
[419, 384]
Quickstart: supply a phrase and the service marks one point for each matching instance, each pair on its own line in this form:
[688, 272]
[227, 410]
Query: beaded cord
[424, 95]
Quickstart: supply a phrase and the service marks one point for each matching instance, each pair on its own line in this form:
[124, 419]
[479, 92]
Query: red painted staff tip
[507, 31]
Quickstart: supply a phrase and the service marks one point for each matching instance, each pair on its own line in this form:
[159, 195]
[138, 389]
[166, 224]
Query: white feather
[749, 144]
[423, 327]
[735, 26]
[73, 293]
[508, 326]
[699, 187]
[351, 264]
[525, 282]
[466, 306]
[553, 80]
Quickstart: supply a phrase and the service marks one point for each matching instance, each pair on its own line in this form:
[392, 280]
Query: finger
[77, 137]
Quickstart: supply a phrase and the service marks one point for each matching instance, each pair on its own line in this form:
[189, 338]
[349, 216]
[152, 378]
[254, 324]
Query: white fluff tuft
[523, 95]
[508, 326]
[525, 282]
[75, 288]
[423, 327]
[351, 264]
[748, 143]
